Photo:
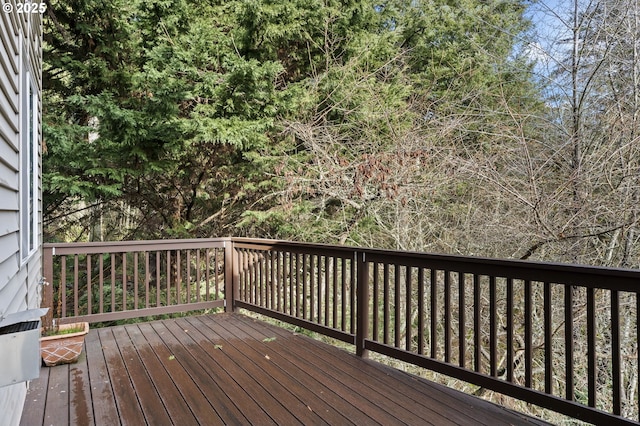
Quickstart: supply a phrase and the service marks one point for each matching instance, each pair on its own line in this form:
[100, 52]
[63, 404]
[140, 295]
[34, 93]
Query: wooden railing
[122, 280]
[563, 337]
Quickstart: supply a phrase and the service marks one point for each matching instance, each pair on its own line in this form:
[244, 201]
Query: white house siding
[19, 278]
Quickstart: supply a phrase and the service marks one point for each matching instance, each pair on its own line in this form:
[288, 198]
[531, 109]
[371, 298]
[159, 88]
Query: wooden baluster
[305, 286]
[334, 293]
[421, 301]
[76, 290]
[568, 340]
[407, 320]
[528, 338]
[591, 347]
[113, 282]
[135, 280]
[462, 320]
[447, 316]
[477, 324]
[376, 300]
[312, 289]
[89, 292]
[147, 290]
[434, 313]
[63, 289]
[387, 306]
[509, 345]
[615, 352]
[398, 302]
[493, 327]
[548, 344]
[101, 283]
[343, 294]
[124, 282]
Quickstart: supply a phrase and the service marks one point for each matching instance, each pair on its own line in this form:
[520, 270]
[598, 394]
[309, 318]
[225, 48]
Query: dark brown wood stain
[231, 369]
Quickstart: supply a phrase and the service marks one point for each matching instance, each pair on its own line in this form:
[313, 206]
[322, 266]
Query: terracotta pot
[63, 348]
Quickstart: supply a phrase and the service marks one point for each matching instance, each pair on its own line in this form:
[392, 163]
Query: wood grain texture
[232, 369]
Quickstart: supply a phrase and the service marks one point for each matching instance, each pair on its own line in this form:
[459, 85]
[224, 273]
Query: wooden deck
[231, 369]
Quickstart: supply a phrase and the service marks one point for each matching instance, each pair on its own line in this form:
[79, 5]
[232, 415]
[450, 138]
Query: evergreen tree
[229, 117]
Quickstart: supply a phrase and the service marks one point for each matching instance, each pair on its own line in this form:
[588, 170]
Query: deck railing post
[47, 285]
[230, 271]
[362, 286]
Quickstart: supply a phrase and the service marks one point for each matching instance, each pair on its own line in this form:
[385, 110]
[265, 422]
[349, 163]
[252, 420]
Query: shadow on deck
[232, 369]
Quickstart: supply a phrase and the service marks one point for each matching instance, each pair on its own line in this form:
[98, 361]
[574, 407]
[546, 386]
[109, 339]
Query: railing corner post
[362, 328]
[230, 275]
[47, 285]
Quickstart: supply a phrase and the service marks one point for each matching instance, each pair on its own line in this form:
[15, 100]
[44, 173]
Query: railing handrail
[138, 245]
[450, 258]
[622, 279]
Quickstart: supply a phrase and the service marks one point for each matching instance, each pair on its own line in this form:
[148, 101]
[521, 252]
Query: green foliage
[62, 332]
[175, 110]
[180, 119]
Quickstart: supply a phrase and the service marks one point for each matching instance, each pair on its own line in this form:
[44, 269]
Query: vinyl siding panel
[9, 39]
[8, 222]
[8, 269]
[9, 248]
[9, 114]
[9, 199]
[19, 280]
[9, 94]
[8, 177]
[15, 291]
[10, 403]
[9, 157]
[16, 296]
[8, 135]
[8, 78]
[13, 25]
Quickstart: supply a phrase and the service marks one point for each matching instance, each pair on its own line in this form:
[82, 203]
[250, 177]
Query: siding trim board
[29, 156]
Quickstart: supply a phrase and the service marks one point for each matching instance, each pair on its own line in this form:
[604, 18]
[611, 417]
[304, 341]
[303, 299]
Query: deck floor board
[80, 393]
[125, 396]
[200, 371]
[148, 396]
[170, 395]
[411, 397]
[293, 398]
[318, 398]
[57, 399]
[106, 412]
[232, 369]
[359, 388]
[200, 406]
